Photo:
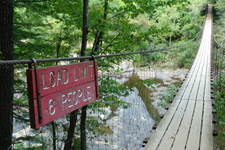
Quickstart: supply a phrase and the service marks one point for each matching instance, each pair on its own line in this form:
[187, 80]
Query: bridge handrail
[29, 61]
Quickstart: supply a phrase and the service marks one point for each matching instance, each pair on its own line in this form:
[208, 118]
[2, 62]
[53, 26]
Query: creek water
[125, 129]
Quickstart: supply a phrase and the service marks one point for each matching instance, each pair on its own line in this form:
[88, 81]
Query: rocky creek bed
[128, 127]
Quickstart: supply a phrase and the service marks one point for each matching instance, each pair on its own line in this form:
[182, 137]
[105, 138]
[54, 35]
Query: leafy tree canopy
[53, 28]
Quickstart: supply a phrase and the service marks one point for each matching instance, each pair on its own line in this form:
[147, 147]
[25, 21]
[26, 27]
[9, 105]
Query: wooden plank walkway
[188, 122]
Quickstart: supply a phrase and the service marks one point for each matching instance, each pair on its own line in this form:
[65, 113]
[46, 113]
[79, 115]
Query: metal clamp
[96, 76]
[38, 93]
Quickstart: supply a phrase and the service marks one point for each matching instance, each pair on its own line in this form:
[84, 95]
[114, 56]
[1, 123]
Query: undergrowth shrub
[219, 97]
[167, 96]
[181, 57]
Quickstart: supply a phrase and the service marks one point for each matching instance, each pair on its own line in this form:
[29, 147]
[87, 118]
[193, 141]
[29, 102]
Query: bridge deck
[188, 122]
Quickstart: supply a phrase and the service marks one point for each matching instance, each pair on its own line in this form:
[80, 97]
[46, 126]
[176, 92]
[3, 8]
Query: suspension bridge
[188, 122]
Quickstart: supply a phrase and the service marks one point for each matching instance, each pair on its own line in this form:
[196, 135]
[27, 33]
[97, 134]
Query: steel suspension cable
[14, 62]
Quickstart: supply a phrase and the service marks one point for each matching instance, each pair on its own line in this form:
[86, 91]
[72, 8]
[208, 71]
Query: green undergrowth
[219, 107]
[167, 96]
[181, 57]
[219, 82]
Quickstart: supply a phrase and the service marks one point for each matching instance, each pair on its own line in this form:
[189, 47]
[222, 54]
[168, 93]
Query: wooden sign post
[58, 90]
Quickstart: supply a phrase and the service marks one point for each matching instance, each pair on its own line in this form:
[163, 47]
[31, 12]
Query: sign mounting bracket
[96, 75]
[37, 90]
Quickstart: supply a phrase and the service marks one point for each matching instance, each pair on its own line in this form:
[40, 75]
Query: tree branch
[110, 44]
[30, 1]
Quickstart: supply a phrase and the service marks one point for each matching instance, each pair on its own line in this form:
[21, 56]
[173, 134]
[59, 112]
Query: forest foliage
[54, 28]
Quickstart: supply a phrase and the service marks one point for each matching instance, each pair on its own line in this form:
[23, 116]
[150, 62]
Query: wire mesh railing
[218, 63]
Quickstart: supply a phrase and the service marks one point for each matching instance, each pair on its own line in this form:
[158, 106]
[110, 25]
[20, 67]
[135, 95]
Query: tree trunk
[6, 74]
[53, 136]
[85, 28]
[83, 53]
[73, 121]
[99, 34]
[83, 128]
[73, 115]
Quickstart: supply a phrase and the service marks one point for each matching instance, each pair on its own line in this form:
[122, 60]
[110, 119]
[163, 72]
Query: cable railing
[14, 62]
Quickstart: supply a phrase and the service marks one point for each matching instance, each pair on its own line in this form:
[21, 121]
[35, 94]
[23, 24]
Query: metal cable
[14, 62]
